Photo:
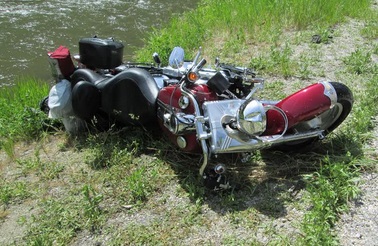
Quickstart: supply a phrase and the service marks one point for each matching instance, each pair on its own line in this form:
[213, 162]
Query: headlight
[251, 118]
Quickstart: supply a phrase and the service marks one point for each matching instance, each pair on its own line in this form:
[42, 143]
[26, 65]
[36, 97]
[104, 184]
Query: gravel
[360, 225]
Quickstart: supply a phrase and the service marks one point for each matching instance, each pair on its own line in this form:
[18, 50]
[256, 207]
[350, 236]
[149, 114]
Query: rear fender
[301, 106]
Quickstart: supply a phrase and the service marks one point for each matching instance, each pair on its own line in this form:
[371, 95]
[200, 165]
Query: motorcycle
[208, 110]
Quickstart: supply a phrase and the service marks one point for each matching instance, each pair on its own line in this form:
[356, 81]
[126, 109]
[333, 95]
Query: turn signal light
[193, 77]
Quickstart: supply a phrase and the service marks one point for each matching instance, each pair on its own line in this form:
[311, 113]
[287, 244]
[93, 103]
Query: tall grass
[257, 20]
[20, 117]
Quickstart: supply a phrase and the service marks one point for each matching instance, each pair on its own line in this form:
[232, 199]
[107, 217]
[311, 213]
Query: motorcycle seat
[128, 97]
[85, 74]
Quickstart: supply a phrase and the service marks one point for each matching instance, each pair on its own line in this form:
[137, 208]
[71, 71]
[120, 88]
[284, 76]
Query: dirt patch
[359, 226]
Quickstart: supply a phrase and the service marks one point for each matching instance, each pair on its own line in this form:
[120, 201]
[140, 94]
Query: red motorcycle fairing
[170, 96]
[300, 106]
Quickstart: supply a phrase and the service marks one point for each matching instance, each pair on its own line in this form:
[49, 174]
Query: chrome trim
[284, 116]
[330, 92]
[159, 80]
[183, 102]
[251, 117]
[181, 142]
[175, 122]
[201, 134]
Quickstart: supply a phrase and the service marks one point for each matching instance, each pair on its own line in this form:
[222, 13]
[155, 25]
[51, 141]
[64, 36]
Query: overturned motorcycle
[208, 110]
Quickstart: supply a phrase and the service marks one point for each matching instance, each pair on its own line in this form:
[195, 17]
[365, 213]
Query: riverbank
[125, 187]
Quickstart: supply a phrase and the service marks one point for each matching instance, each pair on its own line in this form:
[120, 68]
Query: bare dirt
[359, 226]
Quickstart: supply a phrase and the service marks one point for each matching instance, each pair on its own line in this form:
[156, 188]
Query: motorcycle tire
[330, 119]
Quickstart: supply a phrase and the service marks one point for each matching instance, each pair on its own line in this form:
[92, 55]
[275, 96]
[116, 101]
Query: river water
[30, 28]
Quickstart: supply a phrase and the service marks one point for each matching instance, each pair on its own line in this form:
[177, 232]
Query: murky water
[28, 29]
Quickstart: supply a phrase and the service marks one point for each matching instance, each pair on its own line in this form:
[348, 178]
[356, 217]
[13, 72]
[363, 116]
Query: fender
[301, 106]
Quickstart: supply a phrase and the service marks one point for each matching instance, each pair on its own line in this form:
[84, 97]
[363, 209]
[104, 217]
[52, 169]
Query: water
[28, 29]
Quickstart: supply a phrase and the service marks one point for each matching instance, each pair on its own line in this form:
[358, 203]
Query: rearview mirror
[176, 59]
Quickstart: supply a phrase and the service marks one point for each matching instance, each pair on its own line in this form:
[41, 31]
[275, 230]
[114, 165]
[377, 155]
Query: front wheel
[333, 117]
[328, 120]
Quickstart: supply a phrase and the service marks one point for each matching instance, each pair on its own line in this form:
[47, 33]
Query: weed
[20, 117]
[324, 36]
[278, 61]
[264, 20]
[306, 62]
[259, 63]
[8, 146]
[139, 185]
[236, 240]
[281, 60]
[13, 191]
[363, 112]
[359, 62]
[274, 90]
[92, 210]
[5, 194]
[330, 189]
[370, 29]
[58, 223]
[45, 169]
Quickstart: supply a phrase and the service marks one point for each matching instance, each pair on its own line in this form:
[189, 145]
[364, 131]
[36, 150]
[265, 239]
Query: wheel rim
[322, 122]
[329, 117]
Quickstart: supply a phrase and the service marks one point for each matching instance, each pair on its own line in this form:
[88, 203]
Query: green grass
[329, 189]
[244, 21]
[13, 191]
[20, 117]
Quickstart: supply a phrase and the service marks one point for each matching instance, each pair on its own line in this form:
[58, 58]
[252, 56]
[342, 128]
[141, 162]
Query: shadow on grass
[265, 183]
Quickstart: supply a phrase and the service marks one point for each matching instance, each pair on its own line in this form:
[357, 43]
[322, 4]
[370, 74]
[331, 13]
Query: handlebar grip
[199, 65]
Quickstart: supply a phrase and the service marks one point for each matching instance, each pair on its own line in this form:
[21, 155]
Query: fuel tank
[172, 102]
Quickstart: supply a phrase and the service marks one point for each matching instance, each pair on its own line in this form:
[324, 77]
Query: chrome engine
[175, 121]
[231, 127]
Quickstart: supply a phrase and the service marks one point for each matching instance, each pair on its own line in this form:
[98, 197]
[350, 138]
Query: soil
[360, 225]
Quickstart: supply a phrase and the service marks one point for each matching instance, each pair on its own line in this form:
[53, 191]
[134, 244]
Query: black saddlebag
[100, 53]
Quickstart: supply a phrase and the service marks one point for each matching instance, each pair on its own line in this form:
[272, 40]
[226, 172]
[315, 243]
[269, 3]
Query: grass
[13, 191]
[329, 189]
[20, 117]
[245, 21]
[128, 187]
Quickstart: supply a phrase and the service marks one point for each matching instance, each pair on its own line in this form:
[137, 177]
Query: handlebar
[237, 70]
[199, 66]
